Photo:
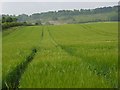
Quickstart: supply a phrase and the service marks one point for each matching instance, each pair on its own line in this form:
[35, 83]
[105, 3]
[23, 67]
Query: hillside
[71, 16]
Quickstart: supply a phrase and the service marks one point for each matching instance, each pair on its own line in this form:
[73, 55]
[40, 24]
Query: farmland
[61, 56]
[0, 59]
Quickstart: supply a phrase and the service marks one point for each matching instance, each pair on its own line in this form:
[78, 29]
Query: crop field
[61, 56]
[0, 59]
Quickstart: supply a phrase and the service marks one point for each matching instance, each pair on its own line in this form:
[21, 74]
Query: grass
[0, 59]
[98, 48]
[16, 48]
[68, 56]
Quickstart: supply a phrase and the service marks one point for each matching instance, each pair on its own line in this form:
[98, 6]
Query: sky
[16, 8]
[59, 0]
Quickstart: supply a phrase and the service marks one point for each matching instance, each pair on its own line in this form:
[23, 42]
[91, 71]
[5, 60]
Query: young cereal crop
[66, 56]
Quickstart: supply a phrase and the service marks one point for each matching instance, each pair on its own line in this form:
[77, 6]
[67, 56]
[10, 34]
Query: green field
[61, 56]
[0, 59]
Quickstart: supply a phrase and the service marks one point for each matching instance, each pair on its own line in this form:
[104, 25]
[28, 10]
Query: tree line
[8, 21]
[68, 16]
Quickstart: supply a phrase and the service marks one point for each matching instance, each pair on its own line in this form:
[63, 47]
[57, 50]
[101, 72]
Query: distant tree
[3, 19]
[14, 19]
[9, 19]
[72, 16]
[38, 22]
[22, 18]
[76, 12]
[54, 18]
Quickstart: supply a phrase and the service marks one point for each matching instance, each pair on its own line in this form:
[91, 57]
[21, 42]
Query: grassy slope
[94, 17]
[83, 55]
[17, 46]
[82, 17]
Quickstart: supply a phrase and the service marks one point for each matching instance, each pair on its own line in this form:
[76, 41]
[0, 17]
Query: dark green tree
[9, 19]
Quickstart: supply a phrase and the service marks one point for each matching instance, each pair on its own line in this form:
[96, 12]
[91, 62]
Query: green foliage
[71, 16]
[17, 47]
[8, 19]
[54, 18]
[7, 25]
[38, 22]
[22, 18]
[12, 24]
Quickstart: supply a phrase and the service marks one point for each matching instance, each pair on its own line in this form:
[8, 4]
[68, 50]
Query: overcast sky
[59, 0]
[38, 7]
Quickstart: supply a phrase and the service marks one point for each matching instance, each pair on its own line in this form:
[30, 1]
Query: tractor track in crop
[13, 78]
[52, 39]
[96, 30]
[58, 45]
[90, 66]
[42, 34]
